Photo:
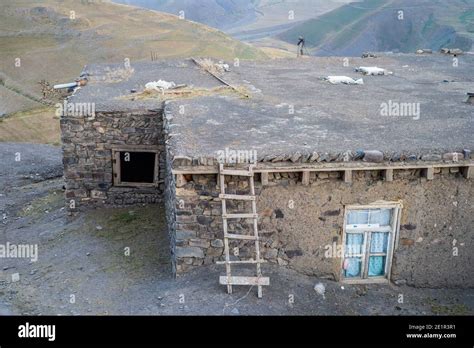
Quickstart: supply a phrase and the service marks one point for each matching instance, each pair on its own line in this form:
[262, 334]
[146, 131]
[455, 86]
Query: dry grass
[211, 66]
[187, 93]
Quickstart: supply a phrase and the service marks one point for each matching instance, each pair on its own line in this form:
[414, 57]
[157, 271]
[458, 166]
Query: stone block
[184, 235]
[189, 252]
[217, 243]
[199, 243]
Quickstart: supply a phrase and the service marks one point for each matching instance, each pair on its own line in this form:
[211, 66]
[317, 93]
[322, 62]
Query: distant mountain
[221, 14]
[378, 25]
[40, 41]
[246, 19]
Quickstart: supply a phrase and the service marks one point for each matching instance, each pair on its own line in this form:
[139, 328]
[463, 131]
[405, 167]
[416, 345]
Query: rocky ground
[117, 262]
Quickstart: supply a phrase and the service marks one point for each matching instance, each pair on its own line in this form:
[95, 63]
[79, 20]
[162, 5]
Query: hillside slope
[220, 14]
[52, 46]
[374, 25]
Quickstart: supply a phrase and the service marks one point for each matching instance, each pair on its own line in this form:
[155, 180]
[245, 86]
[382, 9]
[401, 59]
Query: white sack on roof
[159, 85]
[373, 70]
[223, 66]
[336, 80]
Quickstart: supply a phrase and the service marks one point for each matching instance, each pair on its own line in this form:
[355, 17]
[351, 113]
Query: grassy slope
[39, 125]
[55, 48]
[339, 27]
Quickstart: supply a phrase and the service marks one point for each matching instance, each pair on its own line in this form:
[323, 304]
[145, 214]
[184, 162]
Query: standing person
[301, 44]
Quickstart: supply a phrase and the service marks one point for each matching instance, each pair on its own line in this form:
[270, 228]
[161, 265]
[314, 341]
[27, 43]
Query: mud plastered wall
[87, 156]
[297, 222]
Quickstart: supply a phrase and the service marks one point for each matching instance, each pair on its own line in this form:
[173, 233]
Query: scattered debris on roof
[368, 55]
[373, 70]
[453, 51]
[215, 68]
[159, 85]
[345, 80]
[470, 98]
[65, 85]
[424, 51]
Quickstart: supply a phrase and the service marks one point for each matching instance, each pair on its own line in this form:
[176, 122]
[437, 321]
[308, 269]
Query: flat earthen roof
[327, 118]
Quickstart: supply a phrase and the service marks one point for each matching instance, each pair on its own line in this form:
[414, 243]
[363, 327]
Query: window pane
[352, 267]
[354, 243]
[380, 216]
[379, 242]
[376, 266]
[358, 217]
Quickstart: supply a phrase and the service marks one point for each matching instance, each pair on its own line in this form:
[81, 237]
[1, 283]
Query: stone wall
[297, 222]
[87, 156]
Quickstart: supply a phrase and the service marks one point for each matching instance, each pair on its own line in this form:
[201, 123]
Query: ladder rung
[224, 280]
[240, 236]
[235, 172]
[237, 197]
[240, 262]
[240, 216]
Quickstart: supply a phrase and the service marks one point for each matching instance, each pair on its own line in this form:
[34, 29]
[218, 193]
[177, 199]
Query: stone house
[344, 191]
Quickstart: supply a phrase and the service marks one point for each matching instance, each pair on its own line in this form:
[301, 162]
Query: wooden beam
[305, 178]
[244, 262]
[468, 172]
[319, 168]
[223, 280]
[237, 197]
[240, 237]
[235, 172]
[348, 176]
[240, 216]
[264, 178]
[429, 173]
[388, 175]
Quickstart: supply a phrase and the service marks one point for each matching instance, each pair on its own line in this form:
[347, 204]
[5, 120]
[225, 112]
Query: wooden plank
[240, 216]
[244, 262]
[305, 178]
[116, 168]
[264, 177]
[348, 176]
[388, 175]
[260, 281]
[237, 197]
[429, 173]
[240, 236]
[224, 224]
[468, 172]
[235, 172]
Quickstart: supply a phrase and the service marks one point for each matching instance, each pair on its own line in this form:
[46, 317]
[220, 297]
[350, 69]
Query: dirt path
[117, 262]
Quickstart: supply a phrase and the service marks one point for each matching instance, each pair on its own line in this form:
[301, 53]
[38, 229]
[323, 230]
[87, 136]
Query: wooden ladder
[230, 280]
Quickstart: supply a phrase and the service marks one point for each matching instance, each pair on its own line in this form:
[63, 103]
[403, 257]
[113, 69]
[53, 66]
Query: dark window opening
[137, 167]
